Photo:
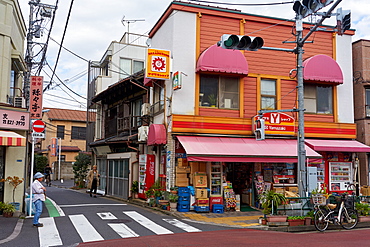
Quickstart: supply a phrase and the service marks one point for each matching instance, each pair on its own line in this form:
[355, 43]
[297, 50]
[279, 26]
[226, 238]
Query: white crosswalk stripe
[49, 235]
[147, 223]
[86, 231]
[122, 230]
[182, 225]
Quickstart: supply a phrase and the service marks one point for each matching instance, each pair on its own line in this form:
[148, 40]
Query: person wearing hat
[38, 190]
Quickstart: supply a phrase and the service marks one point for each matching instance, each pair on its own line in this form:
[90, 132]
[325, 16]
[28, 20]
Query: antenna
[128, 22]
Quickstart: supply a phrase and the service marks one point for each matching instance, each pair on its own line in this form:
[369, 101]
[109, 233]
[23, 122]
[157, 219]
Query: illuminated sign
[158, 64]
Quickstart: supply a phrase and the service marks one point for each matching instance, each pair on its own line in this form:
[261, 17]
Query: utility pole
[36, 28]
[301, 12]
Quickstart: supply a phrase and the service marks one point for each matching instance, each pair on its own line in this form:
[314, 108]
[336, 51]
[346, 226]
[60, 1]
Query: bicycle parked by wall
[342, 213]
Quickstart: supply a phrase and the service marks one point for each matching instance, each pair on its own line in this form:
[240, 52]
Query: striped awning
[10, 138]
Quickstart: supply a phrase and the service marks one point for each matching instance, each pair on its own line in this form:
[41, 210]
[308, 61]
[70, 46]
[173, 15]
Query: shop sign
[177, 80]
[35, 106]
[14, 119]
[158, 64]
[278, 123]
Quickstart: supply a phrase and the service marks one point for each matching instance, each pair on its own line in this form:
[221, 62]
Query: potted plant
[2, 204]
[8, 210]
[296, 220]
[270, 200]
[135, 189]
[309, 217]
[174, 190]
[173, 201]
[14, 181]
[212, 100]
[363, 211]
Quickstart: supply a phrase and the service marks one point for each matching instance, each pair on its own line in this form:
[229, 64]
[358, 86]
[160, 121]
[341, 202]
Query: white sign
[38, 135]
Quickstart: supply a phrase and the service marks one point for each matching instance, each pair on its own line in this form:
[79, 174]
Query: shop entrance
[241, 177]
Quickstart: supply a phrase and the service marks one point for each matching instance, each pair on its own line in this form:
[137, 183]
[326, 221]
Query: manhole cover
[120, 221]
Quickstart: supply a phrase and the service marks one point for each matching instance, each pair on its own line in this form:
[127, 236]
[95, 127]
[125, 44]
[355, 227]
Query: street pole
[31, 177]
[60, 149]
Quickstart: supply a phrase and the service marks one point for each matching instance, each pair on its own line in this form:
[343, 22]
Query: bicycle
[325, 213]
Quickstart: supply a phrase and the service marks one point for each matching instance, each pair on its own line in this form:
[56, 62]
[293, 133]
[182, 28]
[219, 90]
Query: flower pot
[296, 222]
[262, 221]
[173, 206]
[7, 214]
[277, 218]
[307, 221]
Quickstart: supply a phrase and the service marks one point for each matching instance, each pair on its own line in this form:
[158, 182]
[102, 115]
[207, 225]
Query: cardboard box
[197, 167]
[200, 180]
[201, 193]
[182, 170]
[181, 175]
[182, 162]
[365, 190]
[279, 190]
[182, 182]
[293, 189]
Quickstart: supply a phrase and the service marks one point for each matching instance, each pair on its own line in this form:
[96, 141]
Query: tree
[40, 163]
[80, 168]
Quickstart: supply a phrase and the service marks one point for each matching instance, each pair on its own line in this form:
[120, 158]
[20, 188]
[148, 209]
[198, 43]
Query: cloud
[94, 24]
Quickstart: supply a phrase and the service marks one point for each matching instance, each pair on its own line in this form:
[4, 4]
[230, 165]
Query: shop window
[60, 131]
[367, 93]
[318, 99]
[268, 94]
[219, 91]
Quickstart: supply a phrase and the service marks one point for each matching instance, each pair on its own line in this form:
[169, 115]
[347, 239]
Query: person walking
[47, 172]
[38, 190]
[93, 178]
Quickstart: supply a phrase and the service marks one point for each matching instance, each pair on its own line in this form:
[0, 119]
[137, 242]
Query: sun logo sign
[158, 62]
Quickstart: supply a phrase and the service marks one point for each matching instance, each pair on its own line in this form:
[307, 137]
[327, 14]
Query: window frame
[223, 81]
[77, 130]
[61, 133]
[308, 99]
[268, 96]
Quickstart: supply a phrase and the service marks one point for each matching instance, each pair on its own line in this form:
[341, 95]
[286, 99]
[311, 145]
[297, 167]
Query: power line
[60, 47]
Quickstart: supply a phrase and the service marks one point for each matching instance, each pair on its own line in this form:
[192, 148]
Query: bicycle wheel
[349, 218]
[319, 220]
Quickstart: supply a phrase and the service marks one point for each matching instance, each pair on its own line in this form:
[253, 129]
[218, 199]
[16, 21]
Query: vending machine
[340, 175]
[146, 173]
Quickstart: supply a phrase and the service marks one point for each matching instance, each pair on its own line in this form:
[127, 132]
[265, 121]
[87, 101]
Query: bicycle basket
[350, 202]
[318, 199]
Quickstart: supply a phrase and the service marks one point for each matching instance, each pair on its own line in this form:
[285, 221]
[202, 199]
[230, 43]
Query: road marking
[107, 216]
[147, 223]
[86, 231]
[88, 205]
[53, 209]
[182, 225]
[49, 235]
[123, 230]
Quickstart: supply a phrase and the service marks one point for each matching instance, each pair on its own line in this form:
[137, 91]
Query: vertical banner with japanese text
[35, 105]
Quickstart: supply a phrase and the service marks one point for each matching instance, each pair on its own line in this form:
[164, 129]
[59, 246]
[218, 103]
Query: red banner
[35, 106]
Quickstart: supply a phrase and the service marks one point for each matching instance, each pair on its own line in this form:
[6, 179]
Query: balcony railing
[128, 123]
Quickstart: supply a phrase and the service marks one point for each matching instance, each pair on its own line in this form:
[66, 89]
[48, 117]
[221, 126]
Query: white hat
[38, 175]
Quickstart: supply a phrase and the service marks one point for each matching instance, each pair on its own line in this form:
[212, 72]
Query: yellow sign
[158, 64]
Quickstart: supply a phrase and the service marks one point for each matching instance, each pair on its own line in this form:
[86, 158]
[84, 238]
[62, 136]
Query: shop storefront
[235, 171]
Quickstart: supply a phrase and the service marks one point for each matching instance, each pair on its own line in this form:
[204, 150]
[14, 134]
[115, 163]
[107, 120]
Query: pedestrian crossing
[110, 225]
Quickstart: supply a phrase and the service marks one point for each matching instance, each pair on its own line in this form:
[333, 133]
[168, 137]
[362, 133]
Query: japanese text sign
[14, 119]
[35, 106]
[278, 123]
[158, 64]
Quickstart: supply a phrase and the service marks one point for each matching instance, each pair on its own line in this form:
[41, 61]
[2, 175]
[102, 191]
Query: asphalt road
[86, 219]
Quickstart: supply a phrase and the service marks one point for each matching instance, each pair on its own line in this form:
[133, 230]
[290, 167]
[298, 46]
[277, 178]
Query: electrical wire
[60, 47]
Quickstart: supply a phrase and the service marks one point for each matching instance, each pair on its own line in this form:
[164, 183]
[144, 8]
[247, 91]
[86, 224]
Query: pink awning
[157, 134]
[217, 59]
[337, 145]
[224, 149]
[322, 68]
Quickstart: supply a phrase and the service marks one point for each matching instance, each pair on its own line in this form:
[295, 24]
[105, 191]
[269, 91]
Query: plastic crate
[201, 208]
[184, 190]
[183, 202]
[218, 208]
[183, 207]
[184, 198]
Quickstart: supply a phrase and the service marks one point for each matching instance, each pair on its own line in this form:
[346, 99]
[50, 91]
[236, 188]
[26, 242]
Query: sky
[94, 24]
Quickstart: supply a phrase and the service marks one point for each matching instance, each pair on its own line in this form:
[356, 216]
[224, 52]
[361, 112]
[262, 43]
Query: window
[158, 105]
[219, 91]
[62, 158]
[78, 133]
[268, 94]
[367, 91]
[318, 99]
[129, 66]
[60, 131]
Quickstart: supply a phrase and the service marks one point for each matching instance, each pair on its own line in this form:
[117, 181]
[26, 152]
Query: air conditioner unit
[143, 133]
[145, 109]
[19, 102]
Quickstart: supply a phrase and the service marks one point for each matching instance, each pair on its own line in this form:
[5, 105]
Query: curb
[17, 230]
